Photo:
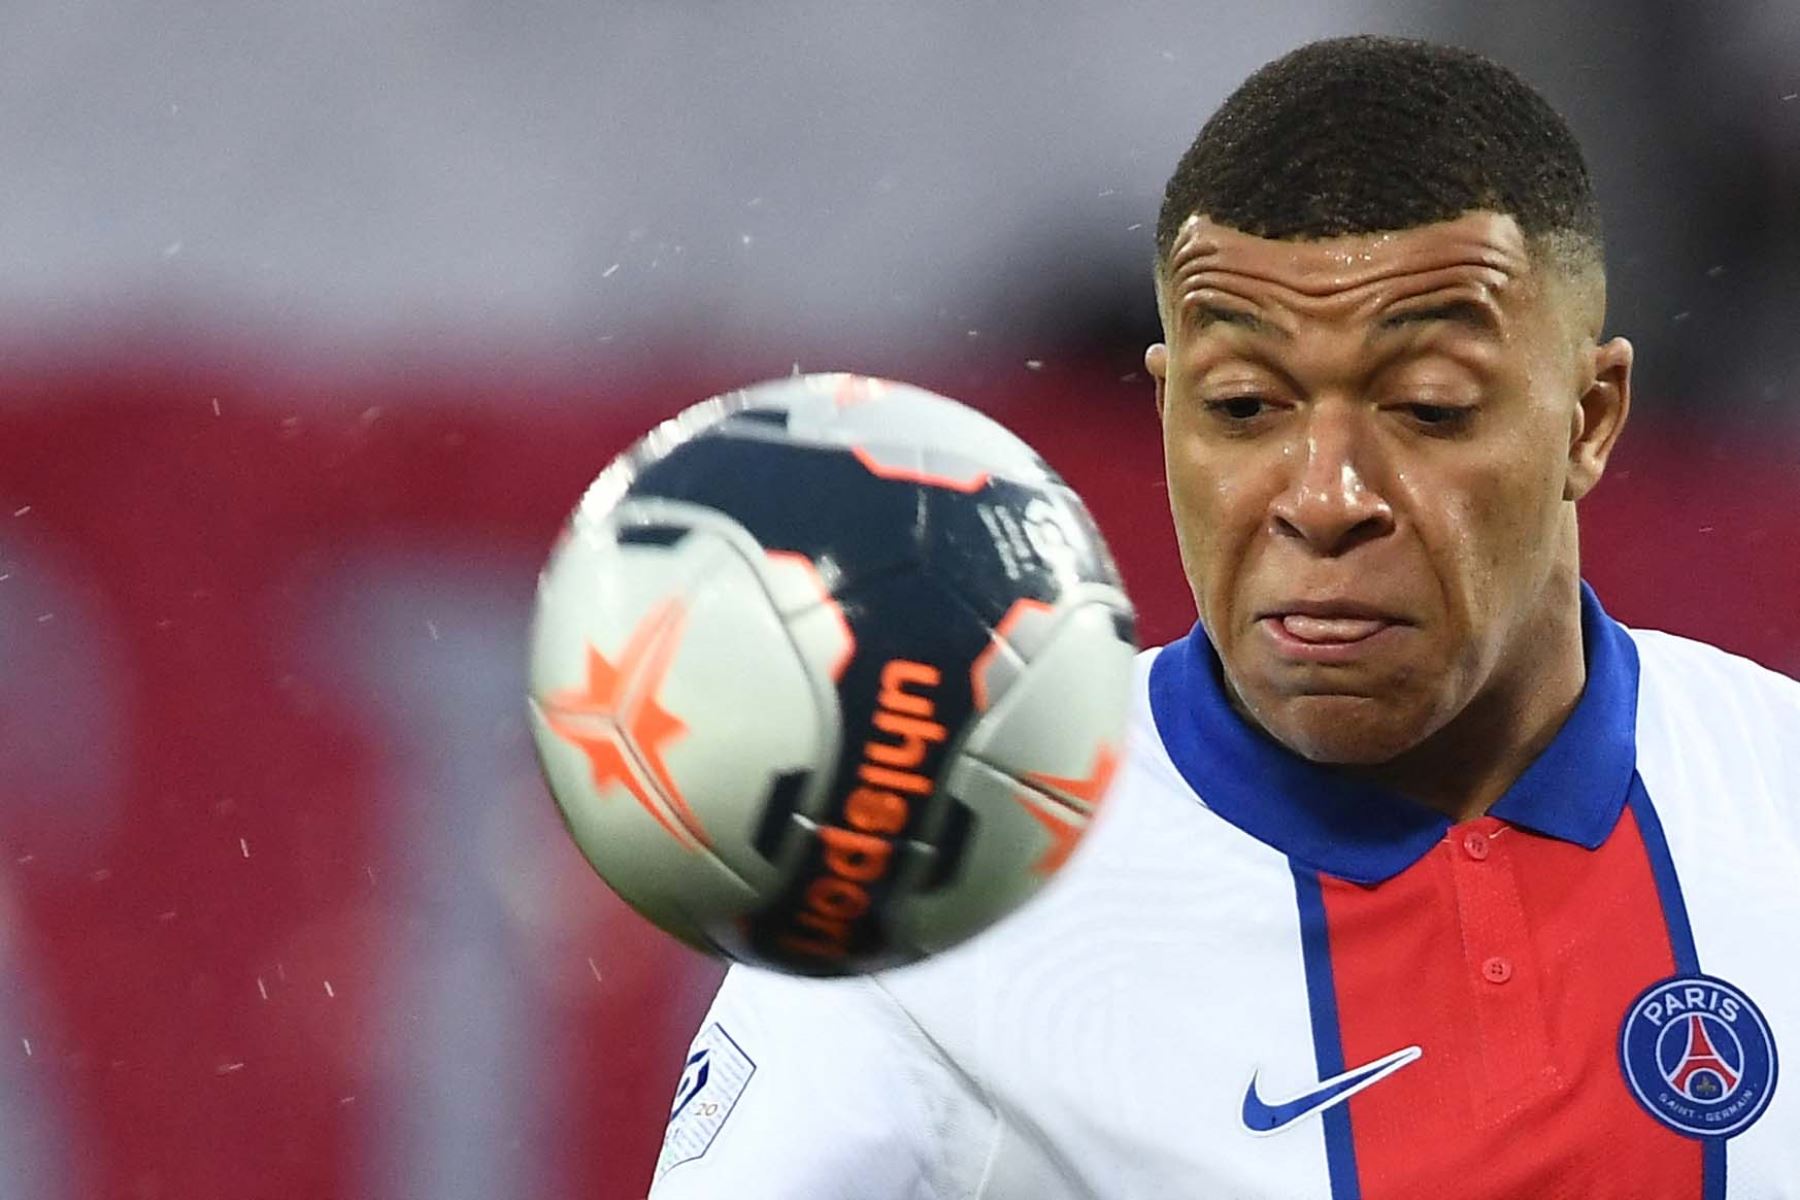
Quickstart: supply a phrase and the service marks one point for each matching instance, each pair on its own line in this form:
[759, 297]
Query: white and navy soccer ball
[829, 674]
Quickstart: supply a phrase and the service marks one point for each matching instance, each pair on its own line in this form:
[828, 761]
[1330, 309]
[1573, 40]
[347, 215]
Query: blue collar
[1358, 831]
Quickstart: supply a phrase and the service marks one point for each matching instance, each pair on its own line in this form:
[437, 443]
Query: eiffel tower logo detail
[1702, 1072]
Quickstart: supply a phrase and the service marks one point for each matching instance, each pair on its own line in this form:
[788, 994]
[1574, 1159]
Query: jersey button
[1475, 844]
[1496, 969]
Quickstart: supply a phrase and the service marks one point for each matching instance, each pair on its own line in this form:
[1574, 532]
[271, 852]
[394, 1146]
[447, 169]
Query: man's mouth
[1317, 630]
[1327, 631]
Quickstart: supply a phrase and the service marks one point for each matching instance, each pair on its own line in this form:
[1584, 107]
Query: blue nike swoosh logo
[1261, 1117]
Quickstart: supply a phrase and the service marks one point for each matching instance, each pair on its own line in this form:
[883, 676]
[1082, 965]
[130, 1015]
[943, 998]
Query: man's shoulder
[1674, 666]
[1712, 723]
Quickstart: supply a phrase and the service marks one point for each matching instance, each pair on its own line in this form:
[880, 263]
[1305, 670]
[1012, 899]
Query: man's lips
[1325, 631]
[1331, 629]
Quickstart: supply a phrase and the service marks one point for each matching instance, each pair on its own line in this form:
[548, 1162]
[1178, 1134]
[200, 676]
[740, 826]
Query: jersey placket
[1512, 1064]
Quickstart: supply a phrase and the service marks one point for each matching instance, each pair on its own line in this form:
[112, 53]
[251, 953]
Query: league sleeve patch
[716, 1073]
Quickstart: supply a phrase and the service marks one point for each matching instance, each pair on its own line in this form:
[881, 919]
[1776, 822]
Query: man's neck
[1464, 768]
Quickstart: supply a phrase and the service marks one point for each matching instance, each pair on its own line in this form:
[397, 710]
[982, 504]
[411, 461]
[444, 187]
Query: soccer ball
[829, 674]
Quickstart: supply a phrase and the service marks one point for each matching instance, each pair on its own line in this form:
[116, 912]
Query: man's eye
[1443, 415]
[1238, 408]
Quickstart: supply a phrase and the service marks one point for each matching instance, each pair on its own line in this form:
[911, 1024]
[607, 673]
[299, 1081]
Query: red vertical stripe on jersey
[1511, 959]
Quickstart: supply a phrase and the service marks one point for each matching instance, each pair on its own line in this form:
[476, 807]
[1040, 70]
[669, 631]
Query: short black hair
[1374, 134]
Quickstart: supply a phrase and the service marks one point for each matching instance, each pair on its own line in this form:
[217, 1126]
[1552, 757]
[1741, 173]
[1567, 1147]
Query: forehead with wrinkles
[1480, 257]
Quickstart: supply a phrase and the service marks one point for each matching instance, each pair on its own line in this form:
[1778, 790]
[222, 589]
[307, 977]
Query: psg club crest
[1698, 1055]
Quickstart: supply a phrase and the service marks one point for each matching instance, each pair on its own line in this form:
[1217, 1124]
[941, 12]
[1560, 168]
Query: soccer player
[1422, 876]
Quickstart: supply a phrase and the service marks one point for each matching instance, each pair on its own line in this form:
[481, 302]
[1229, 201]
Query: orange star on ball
[617, 721]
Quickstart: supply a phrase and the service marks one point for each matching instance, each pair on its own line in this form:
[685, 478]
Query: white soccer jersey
[1257, 979]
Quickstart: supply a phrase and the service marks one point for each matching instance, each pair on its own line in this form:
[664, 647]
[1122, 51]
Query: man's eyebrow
[1471, 314]
[1201, 314]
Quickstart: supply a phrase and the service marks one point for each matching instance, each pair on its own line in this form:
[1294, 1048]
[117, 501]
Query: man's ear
[1156, 361]
[1599, 417]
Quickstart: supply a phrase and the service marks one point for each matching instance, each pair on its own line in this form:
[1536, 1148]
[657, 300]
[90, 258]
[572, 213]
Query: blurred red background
[286, 910]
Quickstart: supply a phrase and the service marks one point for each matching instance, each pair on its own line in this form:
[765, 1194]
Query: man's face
[1373, 446]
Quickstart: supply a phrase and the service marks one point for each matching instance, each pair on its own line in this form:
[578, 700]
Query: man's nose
[1331, 501]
